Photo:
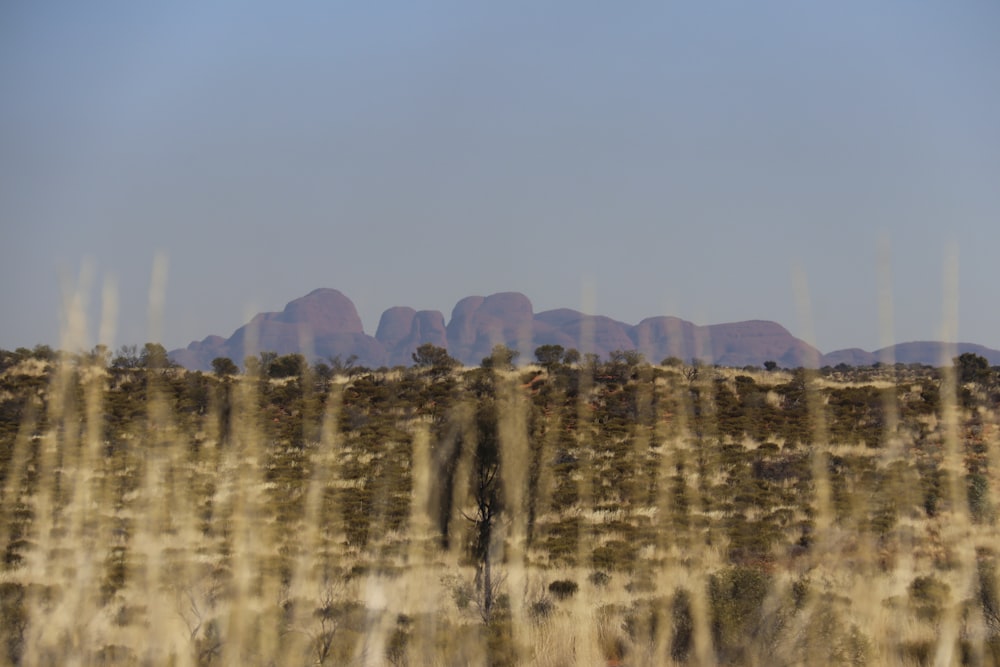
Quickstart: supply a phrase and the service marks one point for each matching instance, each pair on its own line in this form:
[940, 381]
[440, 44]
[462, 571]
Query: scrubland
[598, 512]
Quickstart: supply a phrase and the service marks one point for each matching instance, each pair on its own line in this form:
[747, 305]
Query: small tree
[694, 370]
[770, 365]
[154, 356]
[322, 372]
[251, 366]
[342, 366]
[488, 499]
[43, 352]
[549, 355]
[591, 364]
[99, 355]
[435, 358]
[287, 365]
[623, 364]
[8, 359]
[265, 359]
[126, 358]
[501, 358]
[972, 368]
[224, 366]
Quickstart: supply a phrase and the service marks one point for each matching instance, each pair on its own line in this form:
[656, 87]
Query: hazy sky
[633, 159]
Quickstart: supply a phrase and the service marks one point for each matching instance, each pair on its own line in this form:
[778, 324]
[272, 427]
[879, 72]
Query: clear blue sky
[632, 159]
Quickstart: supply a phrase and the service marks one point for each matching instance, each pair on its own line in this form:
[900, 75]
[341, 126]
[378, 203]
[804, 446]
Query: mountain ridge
[325, 323]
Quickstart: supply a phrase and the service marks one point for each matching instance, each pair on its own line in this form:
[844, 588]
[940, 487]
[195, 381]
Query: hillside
[611, 511]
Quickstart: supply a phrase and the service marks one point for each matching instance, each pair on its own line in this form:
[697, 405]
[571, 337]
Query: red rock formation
[325, 323]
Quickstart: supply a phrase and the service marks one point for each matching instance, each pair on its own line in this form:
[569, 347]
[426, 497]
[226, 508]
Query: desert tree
[154, 356]
[467, 457]
[972, 367]
[623, 365]
[265, 359]
[287, 365]
[224, 366]
[99, 355]
[549, 355]
[126, 358]
[487, 500]
[501, 358]
[340, 365]
[435, 358]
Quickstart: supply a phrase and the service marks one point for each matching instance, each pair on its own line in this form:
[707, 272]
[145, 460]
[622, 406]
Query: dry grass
[168, 554]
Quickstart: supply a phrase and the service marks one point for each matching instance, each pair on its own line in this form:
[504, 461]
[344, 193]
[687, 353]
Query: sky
[822, 165]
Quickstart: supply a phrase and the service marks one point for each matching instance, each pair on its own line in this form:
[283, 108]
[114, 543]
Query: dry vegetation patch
[565, 514]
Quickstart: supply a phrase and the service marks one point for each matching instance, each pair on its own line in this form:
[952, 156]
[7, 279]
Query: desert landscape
[541, 334]
[565, 510]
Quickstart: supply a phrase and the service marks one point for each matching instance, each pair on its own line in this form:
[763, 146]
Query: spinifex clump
[594, 511]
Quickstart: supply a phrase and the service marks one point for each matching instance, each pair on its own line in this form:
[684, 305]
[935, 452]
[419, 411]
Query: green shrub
[599, 578]
[977, 492]
[736, 597]
[13, 622]
[615, 555]
[563, 589]
[682, 637]
[928, 595]
[541, 609]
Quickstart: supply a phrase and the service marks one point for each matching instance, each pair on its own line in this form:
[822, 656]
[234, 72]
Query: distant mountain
[402, 330]
[854, 356]
[325, 323]
[931, 353]
[478, 323]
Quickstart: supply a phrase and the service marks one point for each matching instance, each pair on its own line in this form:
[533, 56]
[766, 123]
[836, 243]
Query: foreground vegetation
[576, 511]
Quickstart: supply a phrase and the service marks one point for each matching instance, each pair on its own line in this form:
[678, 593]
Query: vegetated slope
[612, 510]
